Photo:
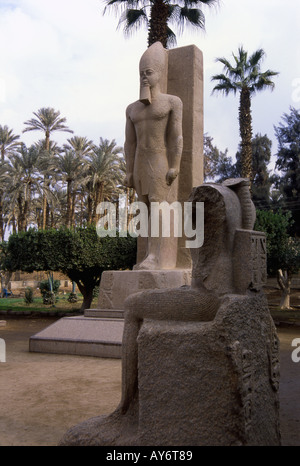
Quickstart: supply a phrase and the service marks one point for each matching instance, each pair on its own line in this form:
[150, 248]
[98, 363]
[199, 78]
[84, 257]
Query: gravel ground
[42, 395]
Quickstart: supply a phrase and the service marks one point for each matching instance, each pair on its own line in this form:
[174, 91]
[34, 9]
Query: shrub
[73, 298]
[28, 298]
[49, 297]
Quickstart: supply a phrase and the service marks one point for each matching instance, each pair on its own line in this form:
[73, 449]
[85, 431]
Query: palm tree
[156, 15]
[102, 174]
[82, 147]
[5, 183]
[69, 164]
[244, 76]
[47, 168]
[25, 181]
[47, 120]
[8, 142]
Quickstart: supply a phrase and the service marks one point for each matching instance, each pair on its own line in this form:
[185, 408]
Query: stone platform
[117, 285]
[211, 383]
[86, 336]
[99, 332]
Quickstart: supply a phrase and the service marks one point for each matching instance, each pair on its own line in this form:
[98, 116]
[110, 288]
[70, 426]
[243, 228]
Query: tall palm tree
[5, 183]
[47, 120]
[244, 76]
[156, 15]
[69, 164]
[47, 168]
[8, 142]
[82, 147]
[102, 172]
[25, 182]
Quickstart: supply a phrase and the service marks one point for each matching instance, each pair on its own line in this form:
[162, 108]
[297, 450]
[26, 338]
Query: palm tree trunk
[25, 214]
[72, 224]
[89, 209]
[69, 204]
[13, 221]
[46, 182]
[245, 122]
[284, 280]
[21, 214]
[1, 216]
[27, 205]
[158, 23]
[45, 204]
[98, 199]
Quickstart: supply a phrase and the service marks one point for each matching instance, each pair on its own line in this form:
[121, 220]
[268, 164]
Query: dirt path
[42, 395]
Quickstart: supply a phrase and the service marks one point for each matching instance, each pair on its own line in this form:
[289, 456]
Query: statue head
[152, 66]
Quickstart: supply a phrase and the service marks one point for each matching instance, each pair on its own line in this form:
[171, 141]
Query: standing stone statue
[153, 149]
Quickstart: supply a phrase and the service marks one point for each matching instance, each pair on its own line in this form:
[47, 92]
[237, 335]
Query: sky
[67, 55]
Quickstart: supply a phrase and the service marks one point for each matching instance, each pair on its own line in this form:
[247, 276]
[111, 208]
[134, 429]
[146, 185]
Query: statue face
[149, 77]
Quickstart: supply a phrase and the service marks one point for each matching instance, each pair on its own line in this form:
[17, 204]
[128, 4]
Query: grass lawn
[17, 306]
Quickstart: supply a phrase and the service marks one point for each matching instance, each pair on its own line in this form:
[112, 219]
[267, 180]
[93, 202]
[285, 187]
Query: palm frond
[122, 5]
[225, 89]
[192, 16]
[133, 19]
[225, 85]
[256, 58]
[263, 82]
[171, 38]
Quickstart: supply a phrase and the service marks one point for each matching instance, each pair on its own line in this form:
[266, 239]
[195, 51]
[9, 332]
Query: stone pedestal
[226, 375]
[200, 383]
[99, 332]
[117, 285]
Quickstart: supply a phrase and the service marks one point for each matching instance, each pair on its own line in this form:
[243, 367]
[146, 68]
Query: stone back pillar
[185, 79]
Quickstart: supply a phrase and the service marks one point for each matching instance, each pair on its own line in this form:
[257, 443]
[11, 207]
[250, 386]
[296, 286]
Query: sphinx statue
[200, 363]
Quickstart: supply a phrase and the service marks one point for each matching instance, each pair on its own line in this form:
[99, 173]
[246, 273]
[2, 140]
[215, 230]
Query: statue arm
[174, 140]
[129, 149]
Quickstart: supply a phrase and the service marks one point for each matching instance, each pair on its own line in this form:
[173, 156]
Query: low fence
[23, 284]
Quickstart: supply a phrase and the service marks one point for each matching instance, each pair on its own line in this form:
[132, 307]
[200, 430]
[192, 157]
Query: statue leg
[161, 242]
